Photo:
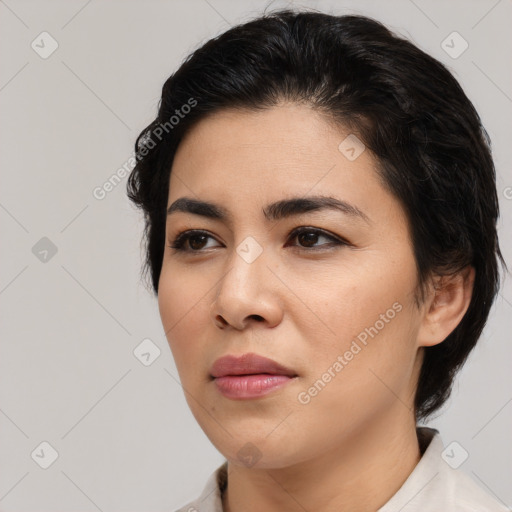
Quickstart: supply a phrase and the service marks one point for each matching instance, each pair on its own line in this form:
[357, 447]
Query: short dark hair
[406, 107]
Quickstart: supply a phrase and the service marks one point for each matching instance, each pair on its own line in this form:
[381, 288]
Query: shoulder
[469, 496]
[435, 485]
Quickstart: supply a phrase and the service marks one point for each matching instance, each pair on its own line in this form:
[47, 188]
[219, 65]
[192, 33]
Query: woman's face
[333, 303]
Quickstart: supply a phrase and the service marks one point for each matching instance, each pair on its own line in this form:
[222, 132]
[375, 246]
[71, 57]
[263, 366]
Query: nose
[247, 294]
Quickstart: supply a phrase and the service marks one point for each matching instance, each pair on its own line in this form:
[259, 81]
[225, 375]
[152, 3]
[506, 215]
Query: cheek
[349, 384]
[184, 312]
[371, 320]
[362, 303]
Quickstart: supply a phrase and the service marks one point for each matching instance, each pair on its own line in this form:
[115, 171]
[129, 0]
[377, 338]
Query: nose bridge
[244, 290]
[246, 264]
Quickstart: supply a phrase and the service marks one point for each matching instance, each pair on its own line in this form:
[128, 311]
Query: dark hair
[404, 105]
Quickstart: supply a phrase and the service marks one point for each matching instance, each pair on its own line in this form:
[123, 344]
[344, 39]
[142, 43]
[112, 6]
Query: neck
[359, 475]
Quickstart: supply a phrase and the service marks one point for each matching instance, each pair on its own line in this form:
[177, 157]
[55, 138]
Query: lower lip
[241, 387]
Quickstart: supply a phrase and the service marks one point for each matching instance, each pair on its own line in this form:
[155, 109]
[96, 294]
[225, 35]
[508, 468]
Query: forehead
[245, 159]
[284, 128]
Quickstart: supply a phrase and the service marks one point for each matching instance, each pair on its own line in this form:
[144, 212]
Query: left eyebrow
[272, 212]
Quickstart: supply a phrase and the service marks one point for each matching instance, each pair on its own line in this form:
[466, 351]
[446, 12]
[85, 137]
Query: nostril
[220, 321]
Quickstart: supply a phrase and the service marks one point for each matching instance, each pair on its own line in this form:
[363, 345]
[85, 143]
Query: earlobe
[446, 306]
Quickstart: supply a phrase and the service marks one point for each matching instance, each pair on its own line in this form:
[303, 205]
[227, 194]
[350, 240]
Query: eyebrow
[272, 212]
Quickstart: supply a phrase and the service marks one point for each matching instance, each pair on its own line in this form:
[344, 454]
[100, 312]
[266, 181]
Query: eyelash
[180, 240]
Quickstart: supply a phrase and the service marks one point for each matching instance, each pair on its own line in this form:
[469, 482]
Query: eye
[307, 237]
[310, 236]
[195, 239]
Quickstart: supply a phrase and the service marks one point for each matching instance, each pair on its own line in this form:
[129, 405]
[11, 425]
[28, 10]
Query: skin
[340, 450]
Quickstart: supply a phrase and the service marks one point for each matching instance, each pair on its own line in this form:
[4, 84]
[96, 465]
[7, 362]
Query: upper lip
[248, 364]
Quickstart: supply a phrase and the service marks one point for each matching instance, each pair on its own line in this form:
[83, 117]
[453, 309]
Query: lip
[248, 364]
[249, 376]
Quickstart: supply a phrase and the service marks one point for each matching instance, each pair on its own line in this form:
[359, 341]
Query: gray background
[70, 321]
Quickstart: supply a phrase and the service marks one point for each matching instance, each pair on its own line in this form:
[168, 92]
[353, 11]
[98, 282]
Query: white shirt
[433, 486]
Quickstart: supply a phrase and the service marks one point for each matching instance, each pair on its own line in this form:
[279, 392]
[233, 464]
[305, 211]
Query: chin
[256, 450]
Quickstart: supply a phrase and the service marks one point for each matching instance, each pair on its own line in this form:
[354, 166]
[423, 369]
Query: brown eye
[196, 241]
[308, 238]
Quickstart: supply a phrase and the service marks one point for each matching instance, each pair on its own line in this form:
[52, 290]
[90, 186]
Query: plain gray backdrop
[79, 79]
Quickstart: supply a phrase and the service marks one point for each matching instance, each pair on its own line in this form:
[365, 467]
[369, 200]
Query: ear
[445, 306]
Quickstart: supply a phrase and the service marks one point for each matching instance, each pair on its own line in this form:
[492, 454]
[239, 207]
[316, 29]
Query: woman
[321, 211]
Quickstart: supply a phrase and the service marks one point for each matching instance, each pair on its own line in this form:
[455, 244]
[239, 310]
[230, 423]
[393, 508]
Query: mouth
[249, 376]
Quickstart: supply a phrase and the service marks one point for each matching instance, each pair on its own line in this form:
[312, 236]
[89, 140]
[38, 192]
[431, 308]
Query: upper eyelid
[320, 231]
